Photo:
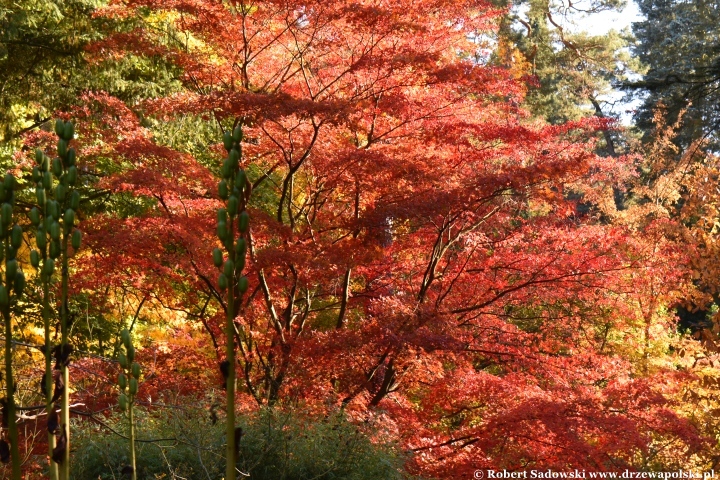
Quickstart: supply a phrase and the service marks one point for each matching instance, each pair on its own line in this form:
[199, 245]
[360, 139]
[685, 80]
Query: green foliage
[573, 71]
[265, 196]
[188, 134]
[275, 445]
[279, 446]
[679, 42]
[41, 44]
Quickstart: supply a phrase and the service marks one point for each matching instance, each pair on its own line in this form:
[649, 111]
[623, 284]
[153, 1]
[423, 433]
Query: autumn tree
[415, 254]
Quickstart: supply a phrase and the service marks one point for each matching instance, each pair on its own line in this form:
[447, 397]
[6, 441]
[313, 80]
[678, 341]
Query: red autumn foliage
[420, 253]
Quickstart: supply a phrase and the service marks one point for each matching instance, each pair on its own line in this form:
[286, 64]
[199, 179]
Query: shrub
[275, 445]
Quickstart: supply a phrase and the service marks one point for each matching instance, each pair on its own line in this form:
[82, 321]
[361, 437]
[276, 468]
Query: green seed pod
[229, 268]
[240, 263]
[123, 402]
[241, 179]
[244, 222]
[39, 156]
[125, 337]
[227, 140]
[40, 196]
[41, 238]
[136, 370]
[72, 175]
[54, 210]
[49, 267]
[57, 167]
[16, 236]
[9, 182]
[34, 216]
[75, 200]
[6, 213]
[234, 157]
[222, 215]
[222, 232]
[59, 127]
[11, 253]
[76, 239]
[36, 175]
[133, 386]
[122, 360]
[241, 247]
[222, 282]
[60, 192]
[122, 381]
[55, 249]
[3, 192]
[71, 157]
[228, 242]
[20, 284]
[233, 206]
[225, 169]
[217, 257]
[35, 258]
[55, 231]
[47, 180]
[238, 134]
[62, 147]
[4, 298]
[131, 354]
[69, 218]
[11, 268]
[223, 189]
[68, 131]
[243, 284]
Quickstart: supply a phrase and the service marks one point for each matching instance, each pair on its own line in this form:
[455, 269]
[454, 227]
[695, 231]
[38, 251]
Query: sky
[601, 23]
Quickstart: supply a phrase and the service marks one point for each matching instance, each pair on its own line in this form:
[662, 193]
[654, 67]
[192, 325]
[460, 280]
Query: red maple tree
[419, 256]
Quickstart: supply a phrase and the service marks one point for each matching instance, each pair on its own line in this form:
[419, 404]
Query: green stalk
[56, 179]
[230, 358]
[9, 382]
[230, 218]
[10, 290]
[132, 440]
[230, 385]
[52, 466]
[65, 412]
[38, 219]
[128, 382]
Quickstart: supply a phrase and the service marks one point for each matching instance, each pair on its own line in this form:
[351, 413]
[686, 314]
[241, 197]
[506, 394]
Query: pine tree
[572, 71]
[679, 42]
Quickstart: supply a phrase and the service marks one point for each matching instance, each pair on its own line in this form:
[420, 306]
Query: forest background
[457, 259]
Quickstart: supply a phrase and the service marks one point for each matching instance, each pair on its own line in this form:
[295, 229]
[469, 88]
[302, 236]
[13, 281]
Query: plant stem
[230, 354]
[65, 414]
[9, 383]
[132, 440]
[52, 466]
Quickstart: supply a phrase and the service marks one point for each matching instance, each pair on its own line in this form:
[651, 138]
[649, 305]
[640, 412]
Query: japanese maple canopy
[418, 255]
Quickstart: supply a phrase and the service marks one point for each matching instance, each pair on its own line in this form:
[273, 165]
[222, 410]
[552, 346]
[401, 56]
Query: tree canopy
[414, 232]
